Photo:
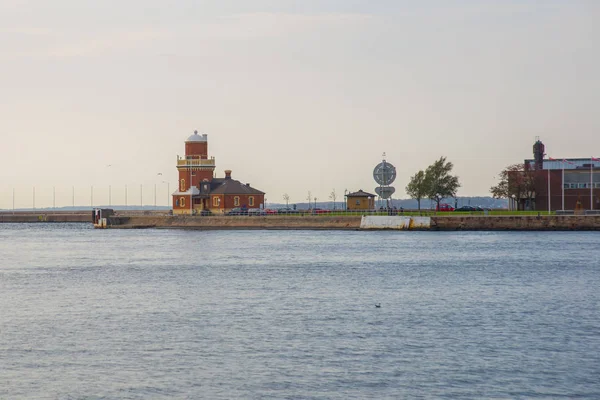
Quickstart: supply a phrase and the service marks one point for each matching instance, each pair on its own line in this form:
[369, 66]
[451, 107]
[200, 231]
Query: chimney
[247, 184]
[227, 174]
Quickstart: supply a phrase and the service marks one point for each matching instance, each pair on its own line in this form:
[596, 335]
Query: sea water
[136, 314]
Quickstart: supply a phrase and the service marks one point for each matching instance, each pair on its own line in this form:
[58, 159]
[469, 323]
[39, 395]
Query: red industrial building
[558, 183]
[199, 190]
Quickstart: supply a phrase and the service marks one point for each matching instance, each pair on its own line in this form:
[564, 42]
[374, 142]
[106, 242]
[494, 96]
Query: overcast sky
[294, 95]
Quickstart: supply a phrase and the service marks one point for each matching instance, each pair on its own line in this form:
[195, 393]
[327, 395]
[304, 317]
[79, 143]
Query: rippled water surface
[290, 314]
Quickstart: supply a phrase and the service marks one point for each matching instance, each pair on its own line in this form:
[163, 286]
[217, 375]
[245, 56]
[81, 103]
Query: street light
[168, 193]
[345, 200]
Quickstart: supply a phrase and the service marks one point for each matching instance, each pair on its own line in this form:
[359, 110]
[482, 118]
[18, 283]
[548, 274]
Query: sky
[295, 96]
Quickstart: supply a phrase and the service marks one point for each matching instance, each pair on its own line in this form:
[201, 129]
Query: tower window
[182, 189]
[182, 202]
[251, 201]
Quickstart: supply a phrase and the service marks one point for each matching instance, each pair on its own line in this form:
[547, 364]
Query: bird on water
[378, 305]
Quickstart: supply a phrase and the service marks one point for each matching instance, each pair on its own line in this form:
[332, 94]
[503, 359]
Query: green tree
[440, 182]
[418, 188]
[515, 182]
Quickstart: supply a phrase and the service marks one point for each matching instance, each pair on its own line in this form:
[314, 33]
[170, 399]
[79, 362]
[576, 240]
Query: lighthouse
[199, 192]
[193, 169]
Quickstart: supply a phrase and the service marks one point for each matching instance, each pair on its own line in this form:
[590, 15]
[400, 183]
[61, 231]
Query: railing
[195, 162]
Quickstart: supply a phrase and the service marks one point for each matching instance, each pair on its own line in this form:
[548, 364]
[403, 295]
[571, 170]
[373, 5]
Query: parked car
[205, 213]
[466, 208]
[237, 211]
[444, 207]
[270, 211]
[320, 211]
[256, 211]
[286, 211]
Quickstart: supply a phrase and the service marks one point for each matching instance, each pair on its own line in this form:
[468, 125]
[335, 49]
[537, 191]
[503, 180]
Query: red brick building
[199, 190]
[561, 184]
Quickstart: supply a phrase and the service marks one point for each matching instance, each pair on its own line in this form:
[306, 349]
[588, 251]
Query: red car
[444, 207]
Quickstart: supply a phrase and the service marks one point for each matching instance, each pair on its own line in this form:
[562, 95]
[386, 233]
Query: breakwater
[437, 223]
[22, 217]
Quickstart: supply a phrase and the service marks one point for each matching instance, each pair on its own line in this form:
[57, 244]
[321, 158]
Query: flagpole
[592, 183]
[549, 202]
[563, 185]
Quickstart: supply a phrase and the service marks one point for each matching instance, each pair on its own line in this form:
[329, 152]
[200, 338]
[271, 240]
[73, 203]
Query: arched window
[236, 201]
[182, 202]
[251, 201]
[182, 188]
[216, 201]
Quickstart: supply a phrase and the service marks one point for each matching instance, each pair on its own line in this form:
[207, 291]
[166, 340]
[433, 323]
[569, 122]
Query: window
[251, 201]
[566, 186]
[236, 201]
[177, 202]
[182, 201]
[581, 185]
[182, 184]
[216, 201]
[358, 202]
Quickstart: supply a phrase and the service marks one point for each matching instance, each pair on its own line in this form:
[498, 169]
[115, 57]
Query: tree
[418, 188]
[515, 182]
[286, 197]
[440, 182]
[333, 196]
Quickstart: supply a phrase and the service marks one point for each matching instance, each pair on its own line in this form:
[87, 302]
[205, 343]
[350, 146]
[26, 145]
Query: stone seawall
[44, 217]
[437, 223]
[517, 223]
[242, 222]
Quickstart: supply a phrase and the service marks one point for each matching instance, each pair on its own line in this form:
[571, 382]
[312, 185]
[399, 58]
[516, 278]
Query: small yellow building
[360, 201]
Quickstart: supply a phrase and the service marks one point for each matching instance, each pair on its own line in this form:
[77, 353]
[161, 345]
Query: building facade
[198, 189]
[559, 184]
[360, 201]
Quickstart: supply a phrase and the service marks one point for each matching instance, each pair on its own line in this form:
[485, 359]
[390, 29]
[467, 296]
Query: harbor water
[136, 314]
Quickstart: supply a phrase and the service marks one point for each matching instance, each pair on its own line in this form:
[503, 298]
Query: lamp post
[168, 195]
[345, 199]
[315, 202]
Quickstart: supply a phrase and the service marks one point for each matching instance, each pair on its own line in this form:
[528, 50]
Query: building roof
[567, 163]
[360, 193]
[197, 138]
[195, 192]
[231, 186]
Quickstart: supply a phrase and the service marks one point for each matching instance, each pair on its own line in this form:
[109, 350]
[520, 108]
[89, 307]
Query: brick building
[560, 184]
[199, 190]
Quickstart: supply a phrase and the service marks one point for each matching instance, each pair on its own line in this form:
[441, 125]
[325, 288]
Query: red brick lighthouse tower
[193, 169]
